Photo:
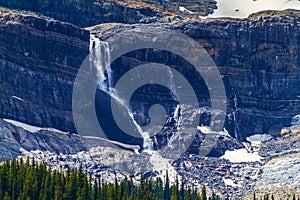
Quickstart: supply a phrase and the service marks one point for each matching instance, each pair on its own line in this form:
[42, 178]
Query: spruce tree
[227, 197]
[182, 189]
[167, 187]
[188, 194]
[254, 196]
[203, 193]
[272, 197]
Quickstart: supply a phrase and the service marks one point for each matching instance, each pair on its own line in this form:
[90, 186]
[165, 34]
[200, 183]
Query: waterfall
[147, 142]
[100, 58]
[172, 85]
[235, 109]
[177, 113]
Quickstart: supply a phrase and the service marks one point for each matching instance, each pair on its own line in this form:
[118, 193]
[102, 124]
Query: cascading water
[100, 57]
[235, 107]
[172, 85]
[176, 114]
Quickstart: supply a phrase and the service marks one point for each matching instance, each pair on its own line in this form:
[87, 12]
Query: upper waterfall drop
[100, 57]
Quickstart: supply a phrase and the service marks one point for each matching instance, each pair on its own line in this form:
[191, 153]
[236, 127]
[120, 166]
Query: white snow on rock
[32, 129]
[204, 129]
[230, 182]
[243, 8]
[241, 155]
[161, 166]
[185, 10]
[135, 148]
[259, 138]
[296, 120]
[108, 162]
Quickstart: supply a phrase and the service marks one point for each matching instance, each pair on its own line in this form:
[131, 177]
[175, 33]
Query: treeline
[28, 180]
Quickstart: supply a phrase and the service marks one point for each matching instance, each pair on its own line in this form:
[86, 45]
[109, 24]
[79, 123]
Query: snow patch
[259, 138]
[204, 129]
[18, 98]
[32, 129]
[185, 10]
[225, 133]
[241, 155]
[161, 165]
[296, 120]
[230, 182]
[135, 148]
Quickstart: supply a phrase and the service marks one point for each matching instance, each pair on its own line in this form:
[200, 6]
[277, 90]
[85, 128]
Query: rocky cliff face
[257, 57]
[39, 60]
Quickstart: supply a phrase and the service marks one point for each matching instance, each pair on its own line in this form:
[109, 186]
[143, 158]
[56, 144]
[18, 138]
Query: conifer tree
[227, 197]
[254, 196]
[272, 197]
[182, 189]
[188, 194]
[167, 187]
[203, 193]
[35, 181]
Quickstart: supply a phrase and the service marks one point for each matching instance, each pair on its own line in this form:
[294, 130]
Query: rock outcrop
[39, 60]
[84, 13]
[14, 139]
